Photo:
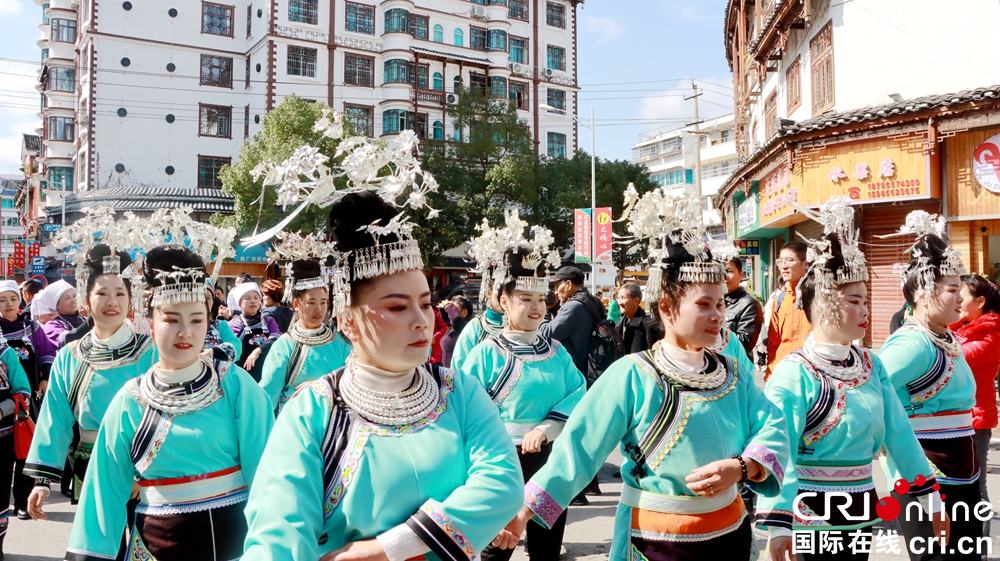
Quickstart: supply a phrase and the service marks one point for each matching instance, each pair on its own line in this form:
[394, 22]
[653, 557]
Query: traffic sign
[38, 265]
[41, 278]
[51, 227]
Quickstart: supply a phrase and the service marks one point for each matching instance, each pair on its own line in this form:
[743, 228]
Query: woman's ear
[348, 327]
[666, 314]
[504, 302]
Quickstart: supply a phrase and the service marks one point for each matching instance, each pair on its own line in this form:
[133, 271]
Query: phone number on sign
[884, 189]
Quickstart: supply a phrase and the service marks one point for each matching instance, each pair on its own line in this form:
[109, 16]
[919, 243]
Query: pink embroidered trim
[840, 388]
[766, 458]
[161, 434]
[542, 504]
[456, 535]
[940, 385]
[349, 467]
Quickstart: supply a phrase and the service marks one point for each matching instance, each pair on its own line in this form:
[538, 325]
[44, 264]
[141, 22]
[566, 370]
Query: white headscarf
[38, 306]
[49, 298]
[239, 291]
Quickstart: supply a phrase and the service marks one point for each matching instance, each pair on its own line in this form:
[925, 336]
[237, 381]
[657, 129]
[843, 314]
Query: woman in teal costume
[13, 382]
[311, 348]
[85, 377]
[532, 380]
[839, 406]
[189, 434]
[927, 368]
[220, 341]
[386, 458]
[690, 423]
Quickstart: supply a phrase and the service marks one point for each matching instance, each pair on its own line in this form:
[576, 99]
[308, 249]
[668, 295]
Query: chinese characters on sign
[777, 194]
[746, 216]
[986, 164]
[582, 233]
[603, 239]
[889, 187]
[748, 247]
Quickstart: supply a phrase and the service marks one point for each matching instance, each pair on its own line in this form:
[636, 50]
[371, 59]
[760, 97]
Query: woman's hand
[511, 534]
[780, 549]
[35, 501]
[533, 441]
[135, 491]
[224, 313]
[942, 526]
[716, 477]
[252, 359]
[364, 550]
[43, 386]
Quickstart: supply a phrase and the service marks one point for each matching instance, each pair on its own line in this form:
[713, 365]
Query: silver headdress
[667, 221]
[723, 250]
[97, 226]
[922, 224]
[489, 249]
[837, 217]
[291, 247]
[389, 168]
[178, 286]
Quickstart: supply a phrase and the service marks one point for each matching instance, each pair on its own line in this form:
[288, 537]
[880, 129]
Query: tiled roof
[450, 56]
[32, 142]
[148, 199]
[863, 115]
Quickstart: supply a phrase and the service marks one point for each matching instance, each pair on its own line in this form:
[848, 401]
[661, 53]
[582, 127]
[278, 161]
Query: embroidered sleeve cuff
[551, 429]
[922, 490]
[767, 459]
[42, 471]
[774, 519]
[546, 509]
[779, 533]
[931, 502]
[401, 543]
[440, 534]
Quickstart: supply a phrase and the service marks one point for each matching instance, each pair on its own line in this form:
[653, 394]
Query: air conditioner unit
[548, 72]
[517, 68]
[452, 98]
[479, 12]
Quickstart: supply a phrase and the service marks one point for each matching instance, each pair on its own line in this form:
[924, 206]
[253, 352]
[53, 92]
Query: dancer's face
[311, 307]
[391, 325]
[695, 322]
[525, 310]
[179, 333]
[945, 306]
[852, 305]
[9, 303]
[108, 302]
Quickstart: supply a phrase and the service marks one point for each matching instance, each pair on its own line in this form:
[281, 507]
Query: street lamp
[593, 189]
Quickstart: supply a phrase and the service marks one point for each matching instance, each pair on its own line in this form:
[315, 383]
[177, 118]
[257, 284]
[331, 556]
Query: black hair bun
[837, 261]
[513, 257]
[932, 247]
[357, 210]
[677, 254]
[166, 258]
[305, 269]
[95, 259]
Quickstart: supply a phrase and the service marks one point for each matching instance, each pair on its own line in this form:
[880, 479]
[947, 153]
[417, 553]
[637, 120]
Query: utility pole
[593, 204]
[697, 147]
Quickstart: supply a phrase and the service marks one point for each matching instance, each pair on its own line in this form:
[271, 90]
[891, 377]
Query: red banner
[582, 233]
[19, 254]
[34, 249]
[602, 236]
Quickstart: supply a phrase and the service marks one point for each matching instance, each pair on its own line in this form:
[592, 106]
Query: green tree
[285, 129]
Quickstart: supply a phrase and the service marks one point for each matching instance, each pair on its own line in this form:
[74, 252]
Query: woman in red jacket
[979, 331]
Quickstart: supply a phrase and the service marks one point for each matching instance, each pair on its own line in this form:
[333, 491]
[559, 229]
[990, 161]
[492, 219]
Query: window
[519, 94]
[770, 114]
[208, 171]
[458, 84]
[477, 83]
[395, 21]
[216, 19]
[498, 86]
[420, 73]
[359, 70]
[438, 33]
[438, 130]
[438, 82]
[555, 98]
[477, 38]
[63, 30]
[725, 136]
[555, 15]
[556, 57]
[45, 54]
[496, 40]
[396, 120]
[360, 18]
[61, 128]
[518, 9]
[45, 15]
[418, 26]
[246, 122]
[249, 20]
[674, 177]
[420, 125]
[459, 36]
[216, 71]
[793, 86]
[301, 61]
[821, 53]
[61, 178]
[397, 71]
[557, 145]
[519, 50]
[216, 120]
[246, 74]
[62, 79]
[360, 119]
[303, 11]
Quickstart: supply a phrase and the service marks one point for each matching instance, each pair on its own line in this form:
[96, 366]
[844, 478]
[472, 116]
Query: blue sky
[663, 44]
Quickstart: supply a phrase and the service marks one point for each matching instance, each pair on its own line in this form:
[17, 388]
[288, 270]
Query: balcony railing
[429, 96]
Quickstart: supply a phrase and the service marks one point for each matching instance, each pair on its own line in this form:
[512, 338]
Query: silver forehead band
[310, 283]
[386, 259]
[532, 284]
[712, 272]
[111, 265]
[177, 289]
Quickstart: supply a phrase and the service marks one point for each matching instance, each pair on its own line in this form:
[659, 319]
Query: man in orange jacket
[788, 326]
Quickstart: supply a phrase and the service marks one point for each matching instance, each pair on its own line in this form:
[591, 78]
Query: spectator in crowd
[41, 311]
[899, 318]
[575, 322]
[743, 311]
[61, 296]
[978, 329]
[274, 292]
[551, 305]
[459, 311]
[29, 289]
[614, 311]
[220, 293]
[634, 325]
[233, 304]
[787, 326]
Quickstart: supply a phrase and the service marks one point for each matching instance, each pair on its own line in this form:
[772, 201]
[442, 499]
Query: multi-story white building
[146, 95]
[669, 154]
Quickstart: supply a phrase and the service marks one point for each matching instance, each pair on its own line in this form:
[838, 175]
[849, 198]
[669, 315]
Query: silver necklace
[179, 403]
[313, 339]
[948, 343]
[693, 378]
[390, 408]
[837, 371]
